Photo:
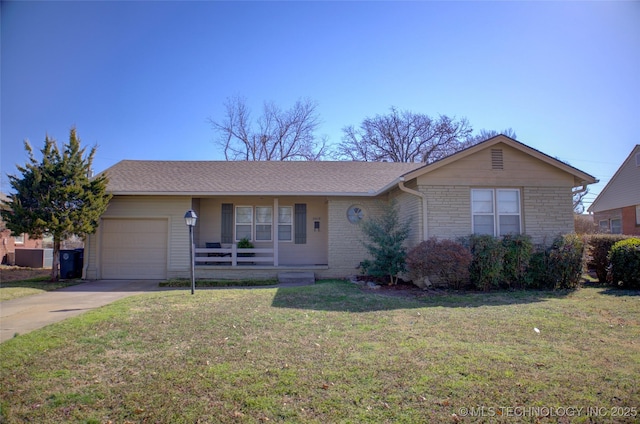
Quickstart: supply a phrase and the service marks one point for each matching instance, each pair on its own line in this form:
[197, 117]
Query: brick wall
[8, 246]
[627, 215]
[448, 210]
[346, 250]
[547, 212]
[409, 208]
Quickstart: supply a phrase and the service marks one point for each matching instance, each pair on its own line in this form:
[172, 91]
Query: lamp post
[190, 218]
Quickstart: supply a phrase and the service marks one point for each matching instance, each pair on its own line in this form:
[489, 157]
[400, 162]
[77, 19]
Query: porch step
[296, 278]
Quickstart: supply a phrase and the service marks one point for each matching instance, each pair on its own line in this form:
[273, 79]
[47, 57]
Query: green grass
[15, 289]
[329, 353]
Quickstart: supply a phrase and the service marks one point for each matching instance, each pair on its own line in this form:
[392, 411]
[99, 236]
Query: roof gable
[579, 177]
[254, 177]
[623, 189]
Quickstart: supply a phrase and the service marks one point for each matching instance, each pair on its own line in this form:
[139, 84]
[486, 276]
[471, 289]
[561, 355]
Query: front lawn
[332, 353]
[15, 289]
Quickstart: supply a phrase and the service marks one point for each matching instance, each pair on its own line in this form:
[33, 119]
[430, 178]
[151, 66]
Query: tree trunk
[55, 263]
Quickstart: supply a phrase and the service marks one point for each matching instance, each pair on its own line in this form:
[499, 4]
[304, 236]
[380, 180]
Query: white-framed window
[256, 223]
[637, 215]
[604, 225]
[285, 223]
[496, 212]
[244, 222]
[616, 226]
[264, 223]
[18, 239]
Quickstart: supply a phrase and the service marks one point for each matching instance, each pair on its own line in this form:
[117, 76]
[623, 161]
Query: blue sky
[141, 79]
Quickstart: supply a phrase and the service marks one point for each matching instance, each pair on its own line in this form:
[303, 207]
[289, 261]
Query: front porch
[234, 256]
[256, 263]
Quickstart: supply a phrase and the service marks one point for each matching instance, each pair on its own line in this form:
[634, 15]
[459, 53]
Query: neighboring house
[303, 216]
[9, 242]
[617, 208]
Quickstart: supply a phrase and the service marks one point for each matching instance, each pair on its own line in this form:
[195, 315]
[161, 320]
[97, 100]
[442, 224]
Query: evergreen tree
[57, 196]
[386, 236]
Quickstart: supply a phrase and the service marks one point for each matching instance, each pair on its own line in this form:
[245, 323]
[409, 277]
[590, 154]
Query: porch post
[276, 218]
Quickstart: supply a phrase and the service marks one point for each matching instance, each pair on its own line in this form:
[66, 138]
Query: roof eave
[238, 194]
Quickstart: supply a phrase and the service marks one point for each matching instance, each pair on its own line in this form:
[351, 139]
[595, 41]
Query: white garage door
[134, 248]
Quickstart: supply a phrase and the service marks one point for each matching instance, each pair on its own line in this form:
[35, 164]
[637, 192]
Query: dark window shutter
[301, 223]
[226, 223]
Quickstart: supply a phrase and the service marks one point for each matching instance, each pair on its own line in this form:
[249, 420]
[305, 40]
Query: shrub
[517, 254]
[487, 264]
[386, 236]
[537, 275]
[445, 261]
[566, 262]
[599, 246]
[245, 244]
[625, 263]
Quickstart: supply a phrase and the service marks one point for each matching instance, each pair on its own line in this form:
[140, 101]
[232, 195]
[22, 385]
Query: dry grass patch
[18, 282]
[328, 353]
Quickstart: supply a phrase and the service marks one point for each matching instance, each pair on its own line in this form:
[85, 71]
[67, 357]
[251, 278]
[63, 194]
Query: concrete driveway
[29, 313]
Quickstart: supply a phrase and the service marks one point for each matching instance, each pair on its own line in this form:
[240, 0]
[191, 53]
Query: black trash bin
[79, 263]
[68, 261]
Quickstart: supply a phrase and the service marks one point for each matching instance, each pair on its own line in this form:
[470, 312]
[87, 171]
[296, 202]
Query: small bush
[566, 262]
[625, 263]
[487, 264]
[537, 275]
[599, 246]
[385, 243]
[517, 254]
[445, 261]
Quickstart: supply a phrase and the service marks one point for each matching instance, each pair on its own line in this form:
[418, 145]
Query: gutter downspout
[425, 221]
[582, 190]
[85, 254]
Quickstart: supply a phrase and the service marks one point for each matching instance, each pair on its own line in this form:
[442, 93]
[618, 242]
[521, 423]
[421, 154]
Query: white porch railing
[234, 256]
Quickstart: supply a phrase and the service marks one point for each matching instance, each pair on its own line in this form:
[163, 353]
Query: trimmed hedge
[445, 261]
[492, 263]
[517, 255]
[625, 263]
[488, 262]
[599, 246]
[558, 266]
[566, 260]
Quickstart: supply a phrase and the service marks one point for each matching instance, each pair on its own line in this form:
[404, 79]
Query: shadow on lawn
[343, 296]
[612, 291]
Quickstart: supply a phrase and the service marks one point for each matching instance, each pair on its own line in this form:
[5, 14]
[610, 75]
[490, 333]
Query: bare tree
[276, 135]
[583, 224]
[487, 134]
[403, 136]
[578, 197]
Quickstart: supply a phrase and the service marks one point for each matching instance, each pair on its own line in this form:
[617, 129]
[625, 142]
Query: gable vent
[497, 161]
[637, 159]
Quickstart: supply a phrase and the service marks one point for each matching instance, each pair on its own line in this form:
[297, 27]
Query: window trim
[236, 223]
[270, 223]
[637, 215]
[604, 227]
[617, 220]
[286, 224]
[495, 209]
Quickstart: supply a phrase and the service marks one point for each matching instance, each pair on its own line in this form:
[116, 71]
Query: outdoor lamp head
[190, 218]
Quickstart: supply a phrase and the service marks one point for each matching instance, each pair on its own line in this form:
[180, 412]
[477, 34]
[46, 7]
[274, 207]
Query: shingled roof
[130, 177]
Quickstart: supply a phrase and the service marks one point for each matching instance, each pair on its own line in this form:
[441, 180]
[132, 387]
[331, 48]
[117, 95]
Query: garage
[134, 249]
